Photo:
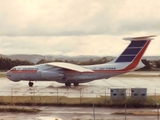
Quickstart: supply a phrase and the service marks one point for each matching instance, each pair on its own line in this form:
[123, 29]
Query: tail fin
[135, 50]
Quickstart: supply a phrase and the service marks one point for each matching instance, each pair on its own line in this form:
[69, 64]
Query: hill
[34, 58]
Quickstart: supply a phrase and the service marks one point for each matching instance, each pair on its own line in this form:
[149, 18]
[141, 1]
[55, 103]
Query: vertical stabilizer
[135, 49]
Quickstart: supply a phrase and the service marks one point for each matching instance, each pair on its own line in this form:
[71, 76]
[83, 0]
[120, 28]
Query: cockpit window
[13, 69]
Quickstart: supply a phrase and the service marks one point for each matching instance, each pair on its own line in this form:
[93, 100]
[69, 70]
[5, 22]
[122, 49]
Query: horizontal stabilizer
[69, 66]
[140, 38]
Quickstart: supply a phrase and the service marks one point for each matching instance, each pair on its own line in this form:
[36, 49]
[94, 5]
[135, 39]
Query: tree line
[87, 62]
[6, 63]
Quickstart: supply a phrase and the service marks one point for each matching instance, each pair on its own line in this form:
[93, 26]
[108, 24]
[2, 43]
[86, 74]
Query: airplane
[67, 73]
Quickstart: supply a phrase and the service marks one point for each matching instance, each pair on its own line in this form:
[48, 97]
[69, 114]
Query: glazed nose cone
[7, 74]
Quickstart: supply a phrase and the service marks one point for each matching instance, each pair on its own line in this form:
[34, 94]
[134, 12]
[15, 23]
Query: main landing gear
[30, 84]
[76, 84]
[69, 84]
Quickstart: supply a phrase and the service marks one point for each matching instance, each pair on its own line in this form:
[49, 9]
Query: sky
[76, 27]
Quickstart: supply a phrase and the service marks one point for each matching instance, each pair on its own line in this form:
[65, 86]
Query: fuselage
[45, 72]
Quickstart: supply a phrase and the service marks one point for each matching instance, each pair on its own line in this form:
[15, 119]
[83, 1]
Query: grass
[19, 109]
[2, 75]
[103, 101]
[136, 113]
[47, 100]
[137, 75]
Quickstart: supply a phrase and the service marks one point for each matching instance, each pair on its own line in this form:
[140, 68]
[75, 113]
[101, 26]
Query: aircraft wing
[69, 66]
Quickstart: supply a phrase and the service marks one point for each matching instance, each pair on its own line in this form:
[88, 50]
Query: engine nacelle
[51, 74]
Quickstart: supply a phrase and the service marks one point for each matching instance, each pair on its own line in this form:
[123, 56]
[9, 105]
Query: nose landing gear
[30, 84]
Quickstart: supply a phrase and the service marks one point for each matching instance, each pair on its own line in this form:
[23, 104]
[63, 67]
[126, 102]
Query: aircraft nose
[11, 76]
[7, 74]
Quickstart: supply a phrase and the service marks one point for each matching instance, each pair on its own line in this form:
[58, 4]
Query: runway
[90, 89]
[77, 113]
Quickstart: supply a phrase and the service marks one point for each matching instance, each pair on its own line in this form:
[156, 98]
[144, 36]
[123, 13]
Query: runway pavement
[91, 89]
[80, 113]
[94, 88]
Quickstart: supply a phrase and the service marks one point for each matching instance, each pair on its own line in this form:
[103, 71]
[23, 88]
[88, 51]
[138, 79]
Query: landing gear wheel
[30, 84]
[68, 84]
[76, 84]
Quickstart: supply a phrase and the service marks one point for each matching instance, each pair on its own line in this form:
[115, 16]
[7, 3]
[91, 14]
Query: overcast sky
[76, 27]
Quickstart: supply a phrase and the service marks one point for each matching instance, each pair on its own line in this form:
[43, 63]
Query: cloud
[75, 27]
[66, 45]
[100, 45]
[74, 18]
[47, 18]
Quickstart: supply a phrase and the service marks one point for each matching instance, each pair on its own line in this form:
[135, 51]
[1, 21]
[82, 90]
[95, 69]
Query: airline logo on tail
[134, 52]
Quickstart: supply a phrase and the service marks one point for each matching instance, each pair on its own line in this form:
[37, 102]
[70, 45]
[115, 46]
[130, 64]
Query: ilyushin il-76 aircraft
[67, 73]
